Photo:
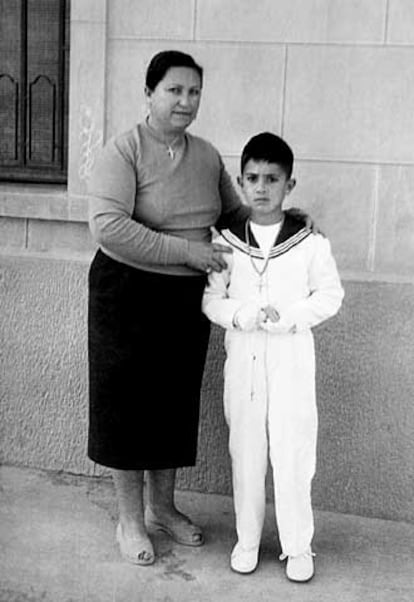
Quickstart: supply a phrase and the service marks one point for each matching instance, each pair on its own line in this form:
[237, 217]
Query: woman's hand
[309, 223]
[207, 257]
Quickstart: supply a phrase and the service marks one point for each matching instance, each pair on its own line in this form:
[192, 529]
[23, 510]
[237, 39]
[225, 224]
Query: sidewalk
[57, 545]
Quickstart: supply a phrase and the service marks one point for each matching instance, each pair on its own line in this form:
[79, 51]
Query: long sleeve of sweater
[112, 199]
[145, 207]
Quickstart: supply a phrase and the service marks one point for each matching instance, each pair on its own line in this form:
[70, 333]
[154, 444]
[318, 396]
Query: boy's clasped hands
[251, 316]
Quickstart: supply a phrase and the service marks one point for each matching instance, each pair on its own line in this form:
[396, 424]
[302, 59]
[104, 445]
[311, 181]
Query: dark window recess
[34, 74]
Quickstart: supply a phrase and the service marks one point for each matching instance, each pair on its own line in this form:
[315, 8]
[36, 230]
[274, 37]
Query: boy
[280, 281]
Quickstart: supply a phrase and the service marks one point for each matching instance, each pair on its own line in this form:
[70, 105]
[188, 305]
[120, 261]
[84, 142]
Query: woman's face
[174, 102]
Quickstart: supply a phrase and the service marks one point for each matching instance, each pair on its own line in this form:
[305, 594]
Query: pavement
[57, 544]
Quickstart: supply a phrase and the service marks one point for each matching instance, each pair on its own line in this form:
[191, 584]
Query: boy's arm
[326, 292]
[231, 314]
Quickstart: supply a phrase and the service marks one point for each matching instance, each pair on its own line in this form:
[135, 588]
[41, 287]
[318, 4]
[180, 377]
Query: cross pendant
[260, 285]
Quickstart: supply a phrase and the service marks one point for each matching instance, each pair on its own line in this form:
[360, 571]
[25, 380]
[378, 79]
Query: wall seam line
[386, 22]
[372, 242]
[327, 161]
[284, 86]
[247, 43]
[26, 233]
[195, 15]
[106, 73]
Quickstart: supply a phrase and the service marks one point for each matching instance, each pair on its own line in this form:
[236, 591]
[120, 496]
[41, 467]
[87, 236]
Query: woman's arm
[306, 218]
[112, 196]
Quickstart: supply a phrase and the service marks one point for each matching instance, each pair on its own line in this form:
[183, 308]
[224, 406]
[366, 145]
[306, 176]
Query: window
[34, 60]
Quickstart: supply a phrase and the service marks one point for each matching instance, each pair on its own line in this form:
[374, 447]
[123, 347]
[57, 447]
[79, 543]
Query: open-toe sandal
[186, 534]
[137, 551]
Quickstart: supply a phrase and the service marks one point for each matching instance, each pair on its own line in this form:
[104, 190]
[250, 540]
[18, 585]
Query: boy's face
[265, 186]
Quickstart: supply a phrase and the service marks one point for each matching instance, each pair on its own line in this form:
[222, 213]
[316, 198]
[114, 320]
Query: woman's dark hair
[161, 62]
[269, 148]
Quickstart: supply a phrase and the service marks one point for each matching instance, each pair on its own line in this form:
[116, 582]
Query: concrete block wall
[335, 79]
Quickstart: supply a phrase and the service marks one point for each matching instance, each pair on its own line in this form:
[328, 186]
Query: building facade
[336, 80]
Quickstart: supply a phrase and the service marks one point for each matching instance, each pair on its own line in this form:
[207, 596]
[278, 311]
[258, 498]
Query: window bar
[54, 124]
[23, 80]
[61, 83]
[16, 125]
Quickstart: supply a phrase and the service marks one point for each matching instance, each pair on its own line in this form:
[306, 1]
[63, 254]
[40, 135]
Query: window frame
[23, 170]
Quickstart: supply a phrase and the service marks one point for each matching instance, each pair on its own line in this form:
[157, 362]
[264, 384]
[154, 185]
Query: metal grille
[34, 61]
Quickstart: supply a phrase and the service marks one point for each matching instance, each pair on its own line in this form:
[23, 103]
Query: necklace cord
[256, 269]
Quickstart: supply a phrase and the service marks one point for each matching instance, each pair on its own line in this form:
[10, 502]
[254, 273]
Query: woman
[156, 191]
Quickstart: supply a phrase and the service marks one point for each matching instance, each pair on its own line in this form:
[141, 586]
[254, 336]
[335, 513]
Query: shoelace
[305, 554]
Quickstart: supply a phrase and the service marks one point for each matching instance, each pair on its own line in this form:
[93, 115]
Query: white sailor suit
[269, 390]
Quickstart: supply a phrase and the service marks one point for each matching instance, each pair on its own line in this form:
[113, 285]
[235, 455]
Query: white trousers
[270, 408]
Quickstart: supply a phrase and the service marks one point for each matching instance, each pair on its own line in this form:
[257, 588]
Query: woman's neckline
[172, 146]
[162, 138]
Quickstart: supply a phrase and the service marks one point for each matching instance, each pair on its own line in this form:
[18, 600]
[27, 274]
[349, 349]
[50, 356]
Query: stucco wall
[365, 384]
[336, 80]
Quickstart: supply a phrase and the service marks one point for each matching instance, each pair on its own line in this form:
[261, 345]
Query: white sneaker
[299, 568]
[244, 561]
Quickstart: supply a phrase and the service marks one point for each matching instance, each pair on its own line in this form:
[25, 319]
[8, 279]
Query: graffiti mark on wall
[91, 138]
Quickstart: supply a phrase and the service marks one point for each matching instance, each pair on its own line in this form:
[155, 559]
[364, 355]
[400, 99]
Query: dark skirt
[147, 346]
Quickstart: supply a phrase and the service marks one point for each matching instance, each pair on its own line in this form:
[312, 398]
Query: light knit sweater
[145, 205]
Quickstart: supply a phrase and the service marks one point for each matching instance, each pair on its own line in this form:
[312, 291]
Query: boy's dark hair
[269, 148]
[161, 62]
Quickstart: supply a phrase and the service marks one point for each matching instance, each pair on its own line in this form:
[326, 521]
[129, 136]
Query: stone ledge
[42, 201]
[9, 254]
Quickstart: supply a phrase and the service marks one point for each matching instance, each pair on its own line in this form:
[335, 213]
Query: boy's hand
[248, 317]
[270, 313]
[278, 326]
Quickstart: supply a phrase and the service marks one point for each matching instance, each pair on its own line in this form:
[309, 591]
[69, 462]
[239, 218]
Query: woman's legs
[162, 513]
[129, 486]
[161, 484]
[131, 533]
